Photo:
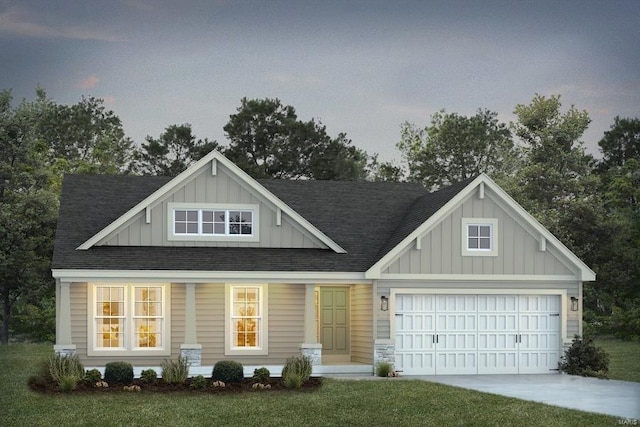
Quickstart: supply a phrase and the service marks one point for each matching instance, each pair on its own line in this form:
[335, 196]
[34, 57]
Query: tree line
[590, 204]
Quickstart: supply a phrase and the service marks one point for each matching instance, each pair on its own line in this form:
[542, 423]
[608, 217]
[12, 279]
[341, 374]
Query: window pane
[245, 229]
[192, 228]
[192, 216]
[207, 216]
[473, 230]
[485, 243]
[485, 231]
[207, 228]
[246, 216]
[218, 228]
[180, 215]
[473, 243]
[220, 216]
[180, 228]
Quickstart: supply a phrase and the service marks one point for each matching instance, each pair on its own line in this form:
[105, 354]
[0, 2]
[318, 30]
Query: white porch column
[190, 350]
[63, 344]
[310, 347]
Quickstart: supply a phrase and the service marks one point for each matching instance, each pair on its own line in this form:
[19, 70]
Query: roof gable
[209, 162]
[435, 207]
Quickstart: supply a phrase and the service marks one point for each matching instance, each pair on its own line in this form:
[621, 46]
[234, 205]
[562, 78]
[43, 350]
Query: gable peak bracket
[542, 244]
[418, 243]
[481, 191]
[278, 217]
[147, 214]
[214, 167]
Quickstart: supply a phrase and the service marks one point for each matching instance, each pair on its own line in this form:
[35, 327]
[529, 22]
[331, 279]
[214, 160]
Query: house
[213, 264]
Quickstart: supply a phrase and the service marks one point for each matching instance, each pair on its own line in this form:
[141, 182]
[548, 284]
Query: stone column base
[65, 350]
[191, 352]
[384, 351]
[312, 351]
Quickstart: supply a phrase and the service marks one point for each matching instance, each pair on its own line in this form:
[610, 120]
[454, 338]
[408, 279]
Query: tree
[85, 138]
[620, 143]
[28, 208]
[456, 147]
[172, 152]
[267, 140]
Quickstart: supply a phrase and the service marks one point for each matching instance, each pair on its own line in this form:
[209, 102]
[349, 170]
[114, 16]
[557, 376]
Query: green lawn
[624, 359]
[338, 402]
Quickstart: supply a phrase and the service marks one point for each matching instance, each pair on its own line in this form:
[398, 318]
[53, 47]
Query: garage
[476, 334]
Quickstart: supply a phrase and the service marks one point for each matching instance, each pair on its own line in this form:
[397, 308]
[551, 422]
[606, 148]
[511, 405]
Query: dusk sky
[360, 67]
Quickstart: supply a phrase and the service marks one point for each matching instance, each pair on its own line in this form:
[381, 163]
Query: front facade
[215, 265]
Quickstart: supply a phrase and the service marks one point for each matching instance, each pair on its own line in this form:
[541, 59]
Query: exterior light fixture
[384, 303]
[574, 304]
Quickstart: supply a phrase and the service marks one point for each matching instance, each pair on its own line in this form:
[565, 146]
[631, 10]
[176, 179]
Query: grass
[338, 403]
[624, 363]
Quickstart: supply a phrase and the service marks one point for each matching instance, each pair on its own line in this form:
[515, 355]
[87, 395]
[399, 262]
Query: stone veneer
[384, 351]
[193, 353]
[312, 351]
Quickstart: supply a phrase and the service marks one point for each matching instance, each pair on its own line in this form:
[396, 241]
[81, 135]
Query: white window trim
[493, 223]
[129, 340]
[255, 229]
[263, 346]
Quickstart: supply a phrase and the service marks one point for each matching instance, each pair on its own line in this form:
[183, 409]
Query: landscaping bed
[246, 385]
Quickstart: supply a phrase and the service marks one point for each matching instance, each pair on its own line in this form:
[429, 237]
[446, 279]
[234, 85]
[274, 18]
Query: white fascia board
[375, 270]
[586, 274]
[492, 278]
[213, 156]
[181, 276]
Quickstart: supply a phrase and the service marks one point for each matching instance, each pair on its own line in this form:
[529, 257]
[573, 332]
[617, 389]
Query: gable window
[213, 222]
[479, 237]
[128, 318]
[246, 316]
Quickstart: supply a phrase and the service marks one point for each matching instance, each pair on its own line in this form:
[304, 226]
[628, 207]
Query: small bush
[228, 371]
[61, 367]
[148, 376]
[68, 383]
[383, 369]
[585, 359]
[298, 365]
[198, 382]
[261, 375]
[292, 380]
[92, 376]
[175, 372]
[118, 373]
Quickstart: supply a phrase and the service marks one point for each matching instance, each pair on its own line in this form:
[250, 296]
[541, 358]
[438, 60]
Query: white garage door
[477, 334]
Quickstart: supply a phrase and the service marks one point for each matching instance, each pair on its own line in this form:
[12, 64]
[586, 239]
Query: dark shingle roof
[366, 218]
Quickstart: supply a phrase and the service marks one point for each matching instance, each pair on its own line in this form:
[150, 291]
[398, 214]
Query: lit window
[129, 317]
[246, 319]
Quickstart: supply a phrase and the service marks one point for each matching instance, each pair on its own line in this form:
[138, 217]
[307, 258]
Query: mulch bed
[160, 386]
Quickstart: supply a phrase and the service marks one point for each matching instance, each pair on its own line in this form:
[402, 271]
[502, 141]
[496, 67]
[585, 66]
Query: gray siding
[206, 188]
[518, 246]
[362, 324]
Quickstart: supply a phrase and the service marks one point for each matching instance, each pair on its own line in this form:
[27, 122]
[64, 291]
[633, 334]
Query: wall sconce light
[574, 304]
[384, 303]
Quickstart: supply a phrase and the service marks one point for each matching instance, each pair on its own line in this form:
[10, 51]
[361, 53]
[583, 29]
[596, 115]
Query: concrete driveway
[617, 398]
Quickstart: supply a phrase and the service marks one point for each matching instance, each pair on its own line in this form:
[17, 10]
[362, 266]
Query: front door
[334, 320]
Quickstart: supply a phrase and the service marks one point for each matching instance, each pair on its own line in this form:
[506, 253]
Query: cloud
[89, 82]
[16, 22]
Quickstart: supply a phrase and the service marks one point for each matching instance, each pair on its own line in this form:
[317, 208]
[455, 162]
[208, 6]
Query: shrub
[298, 365]
[292, 380]
[383, 369]
[61, 367]
[92, 376]
[261, 375]
[118, 373]
[68, 383]
[148, 376]
[198, 382]
[228, 371]
[585, 359]
[175, 372]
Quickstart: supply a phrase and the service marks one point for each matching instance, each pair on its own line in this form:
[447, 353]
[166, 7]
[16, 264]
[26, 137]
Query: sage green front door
[334, 320]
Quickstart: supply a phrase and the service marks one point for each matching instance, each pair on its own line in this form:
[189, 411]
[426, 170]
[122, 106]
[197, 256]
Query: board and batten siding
[220, 189]
[519, 251]
[79, 292]
[362, 324]
[474, 288]
[285, 323]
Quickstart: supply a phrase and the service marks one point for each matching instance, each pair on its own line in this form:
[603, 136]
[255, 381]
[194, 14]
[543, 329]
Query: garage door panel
[477, 334]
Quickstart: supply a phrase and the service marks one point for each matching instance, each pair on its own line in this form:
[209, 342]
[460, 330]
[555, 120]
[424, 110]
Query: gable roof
[210, 159]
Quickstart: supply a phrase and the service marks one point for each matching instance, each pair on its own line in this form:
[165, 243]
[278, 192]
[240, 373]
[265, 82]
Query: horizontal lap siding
[285, 323]
[361, 324]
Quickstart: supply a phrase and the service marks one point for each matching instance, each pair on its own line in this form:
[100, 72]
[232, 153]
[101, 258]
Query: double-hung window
[479, 237]
[213, 222]
[246, 331]
[128, 318]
